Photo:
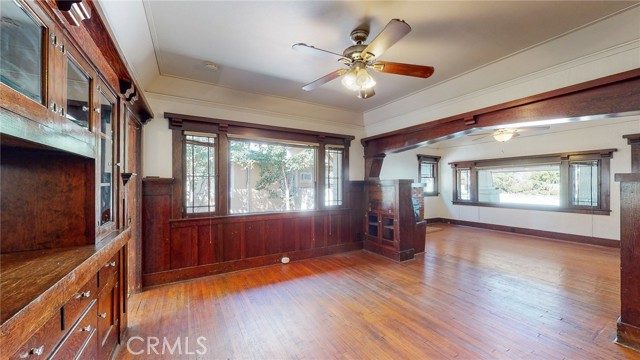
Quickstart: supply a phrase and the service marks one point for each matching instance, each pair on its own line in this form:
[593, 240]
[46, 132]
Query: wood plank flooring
[474, 294]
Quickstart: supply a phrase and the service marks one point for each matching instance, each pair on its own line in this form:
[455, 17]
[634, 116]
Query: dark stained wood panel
[156, 212]
[254, 238]
[289, 236]
[319, 231]
[207, 241]
[232, 242]
[47, 200]
[304, 230]
[184, 250]
[274, 237]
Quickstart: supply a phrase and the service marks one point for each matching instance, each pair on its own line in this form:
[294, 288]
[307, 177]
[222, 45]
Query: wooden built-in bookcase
[70, 133]
[391, 226]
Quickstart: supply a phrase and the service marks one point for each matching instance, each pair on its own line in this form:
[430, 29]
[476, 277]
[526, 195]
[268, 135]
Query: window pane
[584, 183]
[199, 174]
[20, 51]
[531, 184]
[267, 176]
[333, 176]
[77, 95]
[464, 184]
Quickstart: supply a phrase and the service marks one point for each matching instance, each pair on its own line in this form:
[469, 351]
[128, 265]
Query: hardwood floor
[474, 294]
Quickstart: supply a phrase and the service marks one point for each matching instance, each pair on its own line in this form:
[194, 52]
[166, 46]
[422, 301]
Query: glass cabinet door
[105, 159]
[21, 51]
[78, 95]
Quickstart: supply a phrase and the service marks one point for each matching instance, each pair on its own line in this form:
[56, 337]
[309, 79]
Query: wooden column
[629, 321]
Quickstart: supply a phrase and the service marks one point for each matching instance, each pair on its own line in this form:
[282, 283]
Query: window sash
[334, 177]
[199, 176]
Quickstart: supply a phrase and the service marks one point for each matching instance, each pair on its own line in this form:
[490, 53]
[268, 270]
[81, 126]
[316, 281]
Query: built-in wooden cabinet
[391, 226]
[68, 221]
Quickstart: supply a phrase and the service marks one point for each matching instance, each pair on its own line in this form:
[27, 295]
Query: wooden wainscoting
[179, 249]
[207, 246]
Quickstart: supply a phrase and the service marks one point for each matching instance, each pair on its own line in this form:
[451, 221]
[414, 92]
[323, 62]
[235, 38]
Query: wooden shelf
[35, 284]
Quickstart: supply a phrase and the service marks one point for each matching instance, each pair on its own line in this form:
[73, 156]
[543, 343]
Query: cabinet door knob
[103, 315]
[86, 328]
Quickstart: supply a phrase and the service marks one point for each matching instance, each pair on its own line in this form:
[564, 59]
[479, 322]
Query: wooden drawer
[42, 343]
[72, 310]
[78, 337]
[108, 269]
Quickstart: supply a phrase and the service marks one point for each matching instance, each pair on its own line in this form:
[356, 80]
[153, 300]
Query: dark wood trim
[615, 94]
[634, 141]
[177, 169]
[628, 335]
[590, 240]
[564, 159]
[155, 279]
[212, 125]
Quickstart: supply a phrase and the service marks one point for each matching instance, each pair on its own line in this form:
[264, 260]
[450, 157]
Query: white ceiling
[251, 40]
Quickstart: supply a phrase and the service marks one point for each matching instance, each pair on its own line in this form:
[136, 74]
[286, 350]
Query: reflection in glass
[20, 51]
[77, 95]
[106, 159]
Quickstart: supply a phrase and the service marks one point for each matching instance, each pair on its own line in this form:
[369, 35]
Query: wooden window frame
[434, 161]
[226, 129]
[564, 159]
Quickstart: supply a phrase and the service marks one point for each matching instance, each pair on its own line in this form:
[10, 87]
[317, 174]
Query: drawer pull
[35, 351]
[112, 263]
[103, 315]
[86, 328]
[84, 295]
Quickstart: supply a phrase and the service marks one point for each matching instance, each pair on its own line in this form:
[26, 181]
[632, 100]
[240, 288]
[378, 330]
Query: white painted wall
[606, 47]
[157, 136]
[598, 134]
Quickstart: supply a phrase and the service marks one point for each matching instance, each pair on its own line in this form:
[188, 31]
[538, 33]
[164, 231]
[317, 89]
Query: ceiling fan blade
[312, 50]
[420, 71]
[325, 79]
[394, 31]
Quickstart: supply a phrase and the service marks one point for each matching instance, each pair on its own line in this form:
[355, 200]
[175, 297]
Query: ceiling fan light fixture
[366, 93]
[503, 135]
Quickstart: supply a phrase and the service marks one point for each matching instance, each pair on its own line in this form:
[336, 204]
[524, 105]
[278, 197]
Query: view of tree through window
[200, 174]
[534, 184]
[267, 176]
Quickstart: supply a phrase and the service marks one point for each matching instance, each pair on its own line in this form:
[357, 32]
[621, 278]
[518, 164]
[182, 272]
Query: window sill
[606, 212]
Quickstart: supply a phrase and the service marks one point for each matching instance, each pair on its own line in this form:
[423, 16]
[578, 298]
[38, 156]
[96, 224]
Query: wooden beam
[608, 96]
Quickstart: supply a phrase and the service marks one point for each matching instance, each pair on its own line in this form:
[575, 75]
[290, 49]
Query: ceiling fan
[506, 134]
[361, 56]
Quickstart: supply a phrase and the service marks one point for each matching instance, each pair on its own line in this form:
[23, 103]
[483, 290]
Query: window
[537, 184]
[230, 167]
[333, 175]
[463, 184]
[270, 176]
[200, 180]
[428, 173]
[575, 182]
[584, 182]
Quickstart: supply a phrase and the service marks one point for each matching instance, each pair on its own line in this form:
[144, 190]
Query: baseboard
[165, 277]
[628, 335]
[533, 232]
